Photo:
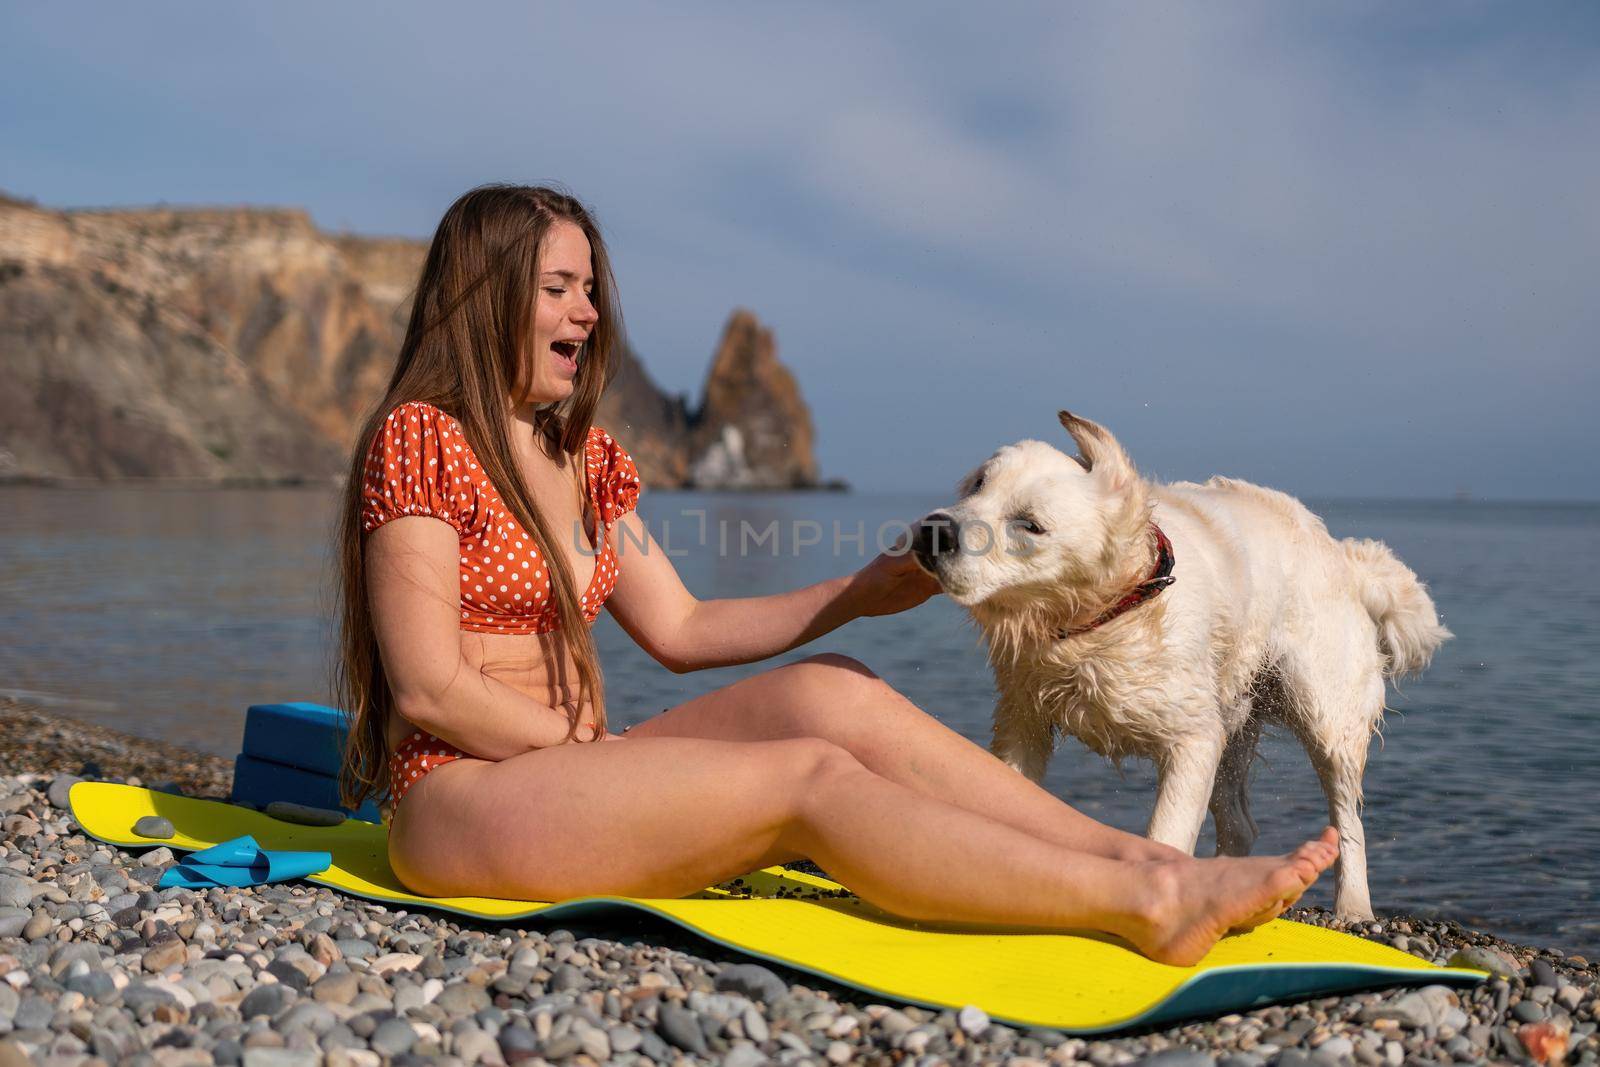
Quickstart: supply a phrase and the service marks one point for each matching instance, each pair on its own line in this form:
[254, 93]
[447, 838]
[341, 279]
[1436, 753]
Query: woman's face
[562, 315]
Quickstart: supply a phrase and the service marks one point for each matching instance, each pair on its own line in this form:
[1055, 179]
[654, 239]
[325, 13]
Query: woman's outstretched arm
[684, 633]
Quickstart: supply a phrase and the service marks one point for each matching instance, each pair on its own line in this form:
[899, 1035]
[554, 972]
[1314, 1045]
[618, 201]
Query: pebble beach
[97, 966]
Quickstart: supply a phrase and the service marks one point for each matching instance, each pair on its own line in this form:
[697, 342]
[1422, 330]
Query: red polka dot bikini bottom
[415, 757]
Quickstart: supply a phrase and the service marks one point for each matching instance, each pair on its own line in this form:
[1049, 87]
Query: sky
[1341, 249]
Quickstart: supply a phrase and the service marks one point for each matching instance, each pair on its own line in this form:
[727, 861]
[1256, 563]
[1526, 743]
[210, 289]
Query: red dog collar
[1149, 589]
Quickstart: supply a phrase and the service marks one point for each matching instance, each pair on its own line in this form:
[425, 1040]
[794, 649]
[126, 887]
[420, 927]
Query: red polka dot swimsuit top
[420, 464]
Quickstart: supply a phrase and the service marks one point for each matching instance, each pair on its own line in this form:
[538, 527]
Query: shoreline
[100, 967]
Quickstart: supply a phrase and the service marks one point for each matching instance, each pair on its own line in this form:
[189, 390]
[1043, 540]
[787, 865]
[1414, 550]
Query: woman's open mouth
[566, 353]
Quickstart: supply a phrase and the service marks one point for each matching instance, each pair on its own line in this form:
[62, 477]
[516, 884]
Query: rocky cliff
[247, 344]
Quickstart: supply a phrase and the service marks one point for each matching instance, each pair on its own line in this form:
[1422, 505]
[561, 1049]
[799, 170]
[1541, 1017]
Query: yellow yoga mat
[1083, 983]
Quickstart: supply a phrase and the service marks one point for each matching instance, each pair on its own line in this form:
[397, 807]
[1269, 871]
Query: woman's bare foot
[1194, 902]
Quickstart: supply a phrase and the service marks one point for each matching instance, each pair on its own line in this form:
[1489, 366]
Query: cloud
[1319, 245]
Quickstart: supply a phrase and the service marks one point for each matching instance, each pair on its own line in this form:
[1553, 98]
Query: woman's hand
[892, 582]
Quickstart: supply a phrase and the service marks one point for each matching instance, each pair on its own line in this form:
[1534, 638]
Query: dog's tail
[1409, 631]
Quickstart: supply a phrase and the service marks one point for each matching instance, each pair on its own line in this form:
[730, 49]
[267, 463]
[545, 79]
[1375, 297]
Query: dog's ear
[1098, 451]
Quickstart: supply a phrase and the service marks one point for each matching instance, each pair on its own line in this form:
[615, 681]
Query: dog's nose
[934, 536]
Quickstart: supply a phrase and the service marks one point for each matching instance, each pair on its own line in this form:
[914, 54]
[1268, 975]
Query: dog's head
[1036, 527]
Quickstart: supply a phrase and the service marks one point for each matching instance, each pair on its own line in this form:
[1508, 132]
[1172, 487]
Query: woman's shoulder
[420, 464]
[420, 413]
[615, 477]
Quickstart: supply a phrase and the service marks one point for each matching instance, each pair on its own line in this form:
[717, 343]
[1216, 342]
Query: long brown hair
[465, 352]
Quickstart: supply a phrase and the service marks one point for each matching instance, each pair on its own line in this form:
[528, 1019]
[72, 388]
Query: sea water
[165, 612]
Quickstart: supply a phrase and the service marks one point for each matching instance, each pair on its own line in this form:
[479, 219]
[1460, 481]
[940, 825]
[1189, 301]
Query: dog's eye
[1025, 523]
[977, 484]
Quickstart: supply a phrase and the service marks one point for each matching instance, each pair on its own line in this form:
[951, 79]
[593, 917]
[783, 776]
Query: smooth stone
[16, 891]
[281, 1057]
[38, 926]
[392, 1037]
[59, 788]
[973, 1020]
[304, 814]
[306, 1015]
[559, 1048]
[352, 948]
[154, 826]
[626, 1038]
[680, 1026]
[568, 979]
[517, 1043]
[744, 1056]
[14, 920]
[140, 995]
[463, 998]
[1481, 958]
[1527, 1011]
[33, 1013]
[336, 988]
[288, 974]
[1337, 1049]
[651, 1044]
[266, 1000]
[1544, 974]
[752, 980]
[1177, 1057]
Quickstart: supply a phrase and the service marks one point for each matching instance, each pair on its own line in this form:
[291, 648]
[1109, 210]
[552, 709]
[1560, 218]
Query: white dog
[1171, 622]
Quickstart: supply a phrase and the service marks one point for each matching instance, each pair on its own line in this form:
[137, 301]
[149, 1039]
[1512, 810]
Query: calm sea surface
[166, 612]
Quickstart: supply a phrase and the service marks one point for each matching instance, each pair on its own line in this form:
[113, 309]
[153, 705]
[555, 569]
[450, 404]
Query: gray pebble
[281, 1057]
[973, 1020]
[462, 998]
[744, 1056]
[752, 980]
[13, 921]
[559, 1048]
[60, 788]
[16, 891]
[624, 1038]
[568, 979]
[392, 1037]
[266, 1000]
[1543, 973]
[1527, 1011]
[355, 949]
[517, 1043]
[680, 1026]
[304, 814]
[1484, 959]
[34, 1012]
[227, 1052]
[157, 827]
[1178, 1057]
[651, 1045]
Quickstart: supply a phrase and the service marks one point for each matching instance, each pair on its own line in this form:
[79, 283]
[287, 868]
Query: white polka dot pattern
[421, 464]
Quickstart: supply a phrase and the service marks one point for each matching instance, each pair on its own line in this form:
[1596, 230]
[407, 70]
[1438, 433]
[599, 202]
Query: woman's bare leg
[668, 816]
[838, 699]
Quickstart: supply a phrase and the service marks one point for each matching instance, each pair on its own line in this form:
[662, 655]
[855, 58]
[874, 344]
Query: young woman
[487, 522]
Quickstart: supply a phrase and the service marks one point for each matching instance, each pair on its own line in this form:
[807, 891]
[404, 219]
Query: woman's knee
[811, 762]
[829, 675]
[837, 661]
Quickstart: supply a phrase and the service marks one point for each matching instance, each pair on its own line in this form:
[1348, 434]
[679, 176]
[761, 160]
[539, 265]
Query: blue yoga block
[262, 781]
[304, 735]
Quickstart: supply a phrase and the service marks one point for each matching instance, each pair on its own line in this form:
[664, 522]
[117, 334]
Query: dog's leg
[1230, 794]
[1187, 771]
[1340, 761]
[1023, 739]
[1336, 698]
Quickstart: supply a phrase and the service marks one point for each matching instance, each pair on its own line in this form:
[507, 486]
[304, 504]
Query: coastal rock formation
[244, 343]
[753, 429]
